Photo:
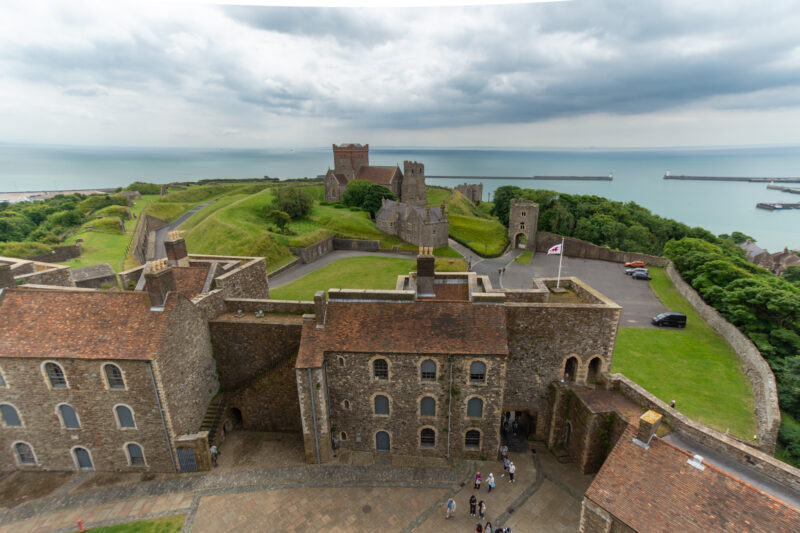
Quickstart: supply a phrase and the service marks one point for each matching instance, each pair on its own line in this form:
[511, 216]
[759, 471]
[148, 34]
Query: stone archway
[523, 216]
[520, 240]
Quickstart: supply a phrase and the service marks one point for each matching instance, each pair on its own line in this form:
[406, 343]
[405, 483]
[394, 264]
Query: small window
[68, 416]
[135, 454]
[472, 441]
[427, 406]
[427, 438]
[83, 458]
[521, 225]
[341, 362]
[522, 213]
[382, 441]
[475, 408]
[381, 405]
[2, 379]
[428, 370]
[380, 369]
[346, 404]
[344, 435]
[10, 415]
[477, 372]
[125, 416]
[56, 376]
[114, 377]
[25, 453]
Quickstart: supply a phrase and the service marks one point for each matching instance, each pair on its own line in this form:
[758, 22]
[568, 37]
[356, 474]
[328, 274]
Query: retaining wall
[146, 225]
[315, 251]
[586, 250]
[356, 244]
[59, 254]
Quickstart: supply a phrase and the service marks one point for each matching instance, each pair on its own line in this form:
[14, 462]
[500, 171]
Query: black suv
[675, 320]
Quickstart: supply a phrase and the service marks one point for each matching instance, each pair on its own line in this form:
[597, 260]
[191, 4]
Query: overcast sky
[574, 74]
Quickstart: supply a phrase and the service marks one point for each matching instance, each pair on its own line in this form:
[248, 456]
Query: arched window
[346, 404]
[427, 438]
[69, 418]
[382, 443]
[114, 377]
[380, 369]
[428, 370]
[124, 416]
[427, 406]
[594, 370]
[472, 440]
[2, 379]
[83, 458]
[571, 369]
[381, 405]
[25, 453]
[56, 376]
[344, 435]
[477, 372]
[10, 415]
[475, 408]
[135, 454]
[341, 362]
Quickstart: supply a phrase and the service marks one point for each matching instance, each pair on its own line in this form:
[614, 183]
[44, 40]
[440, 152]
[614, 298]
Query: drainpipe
[449, 405]
[313, 414]
[161, 412]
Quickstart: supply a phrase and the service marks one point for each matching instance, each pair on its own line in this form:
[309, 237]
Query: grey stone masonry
[523, 218]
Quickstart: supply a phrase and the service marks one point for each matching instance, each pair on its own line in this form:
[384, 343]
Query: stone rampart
[586, 250]
[725, 444]
[313, 252]
[57, 275]
[139, 244]
[287, 266]
[250, 305]
[59, 254]
[765, 392]
[360, 245]
[250, 279]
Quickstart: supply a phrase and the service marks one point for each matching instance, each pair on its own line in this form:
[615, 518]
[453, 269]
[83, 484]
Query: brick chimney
[160, 281]
[648, 425]
[425, 272]
[6, 276]
[176, 249]
[320, 307]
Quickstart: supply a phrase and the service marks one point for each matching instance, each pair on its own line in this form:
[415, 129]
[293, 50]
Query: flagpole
[560, 259]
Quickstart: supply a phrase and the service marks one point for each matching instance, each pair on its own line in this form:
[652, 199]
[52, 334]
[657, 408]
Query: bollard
[80, 526]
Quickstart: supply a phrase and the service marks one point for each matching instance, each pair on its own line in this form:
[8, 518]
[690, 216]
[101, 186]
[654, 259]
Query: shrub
[99, 201]
[293, 201]
[144, 188]
[116, 211]
[23, 249]
[108, 225]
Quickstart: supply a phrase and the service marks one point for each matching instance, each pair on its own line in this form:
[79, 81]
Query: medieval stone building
[523, 217]
[351, 162]
[421, 226]
[473, 191]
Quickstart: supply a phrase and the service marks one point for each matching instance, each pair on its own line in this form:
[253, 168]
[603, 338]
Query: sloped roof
[420, 327]
[378, 175]
[339, 177]
[103, 270]
[189, 281]
[752, 249]
[391, 205]
[657, 490]
[80, 324]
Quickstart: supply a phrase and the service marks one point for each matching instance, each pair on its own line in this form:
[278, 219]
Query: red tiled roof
[656, 490]
[339, 177]
[189, 281]
[379, 175]
[419, 327]
[80, 324]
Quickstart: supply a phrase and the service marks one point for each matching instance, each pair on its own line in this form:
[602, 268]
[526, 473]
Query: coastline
[22, 196]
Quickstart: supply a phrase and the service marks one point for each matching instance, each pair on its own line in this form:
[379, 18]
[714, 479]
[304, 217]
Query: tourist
[515, 427]
[479, 527]
[473, 501]
[503, 452]
[488, 527]
[506, 464]
[214, 454]
[672, 404]
[490, 481]
[482, 510]
[478, 480]
[451, 508]
[505, 431]
[511, 471]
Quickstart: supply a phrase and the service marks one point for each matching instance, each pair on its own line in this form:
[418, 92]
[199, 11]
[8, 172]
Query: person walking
[482, 510]
[515, 427]
[488, 527]
[473, 502]
[506, 464]
[214, 454]
[479, 528]
[451, 508]
[503, 452]
[512, 469]
[490, 481]
[478, 480]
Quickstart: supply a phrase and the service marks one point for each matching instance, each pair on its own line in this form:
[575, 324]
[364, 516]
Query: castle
[421, 226]
[351, 162]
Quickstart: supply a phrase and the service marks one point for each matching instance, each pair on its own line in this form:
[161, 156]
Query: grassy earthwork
[694, 366]
[473, 228]
[167, 524]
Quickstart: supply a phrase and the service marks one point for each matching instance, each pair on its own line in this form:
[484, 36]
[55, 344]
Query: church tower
[412, 191]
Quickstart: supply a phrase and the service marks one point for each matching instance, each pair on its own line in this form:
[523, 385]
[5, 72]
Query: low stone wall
[128, 276]
[146, 225]
[57, 275]
[726, 444]
[765, 392]
[287, 266]
[586, 250]
[313, 252]
[360, 245]
[250, 305]
[59, 254]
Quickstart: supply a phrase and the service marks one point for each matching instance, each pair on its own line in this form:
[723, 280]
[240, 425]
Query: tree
[373, 198]
[792, 274]
[279, 218]
[502, 201]
[294, 201]
[355, 193]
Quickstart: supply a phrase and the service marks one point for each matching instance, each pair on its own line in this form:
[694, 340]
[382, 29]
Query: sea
[638, 175]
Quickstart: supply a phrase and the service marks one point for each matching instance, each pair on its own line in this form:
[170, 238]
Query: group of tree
[289, 203]
[366, 195]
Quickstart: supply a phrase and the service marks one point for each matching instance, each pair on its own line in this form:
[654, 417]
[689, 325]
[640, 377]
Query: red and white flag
[555, 250]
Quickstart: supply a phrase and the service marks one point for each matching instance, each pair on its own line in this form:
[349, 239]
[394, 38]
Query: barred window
[428, 370]
[56, 376]
[25, 453]
[427, 438]
[380, 369]
[135, 454]
[114, 377]
[477, 372]
[472, 441]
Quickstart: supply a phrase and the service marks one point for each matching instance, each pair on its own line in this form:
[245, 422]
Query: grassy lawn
[437, 196]
[167, 524]
[475, 229]
[524, 258]
[694, 366]
[446, 251]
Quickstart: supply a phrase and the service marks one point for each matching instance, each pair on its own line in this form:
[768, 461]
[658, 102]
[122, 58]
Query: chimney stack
[6, 276]
[176, 249]
[160, 281]
[320, 307]
[648, 425]
[425, 272]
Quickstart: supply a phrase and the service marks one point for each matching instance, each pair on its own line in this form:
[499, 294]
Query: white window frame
[47, 376]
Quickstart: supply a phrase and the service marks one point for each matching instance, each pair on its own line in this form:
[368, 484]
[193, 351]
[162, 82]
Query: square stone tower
[348, 158]
[412, 191]
[523, 217]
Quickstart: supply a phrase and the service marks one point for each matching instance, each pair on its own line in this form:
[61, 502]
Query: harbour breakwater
[724, 178]
[553, 178]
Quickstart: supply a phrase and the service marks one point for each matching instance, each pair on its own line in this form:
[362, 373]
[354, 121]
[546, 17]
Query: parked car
[675, 320]
[635, 264]
[630, 271]
[641, 275]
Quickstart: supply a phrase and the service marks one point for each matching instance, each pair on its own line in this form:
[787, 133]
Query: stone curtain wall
[284, 267]
[765, 393]
[725, 444]
[128, 276]
[587, 250]
[313, 252]
[270, 402]
[146, 225]
[247, 281]
[57, 275]
[88, 393]
[59, 254]
[356, 244]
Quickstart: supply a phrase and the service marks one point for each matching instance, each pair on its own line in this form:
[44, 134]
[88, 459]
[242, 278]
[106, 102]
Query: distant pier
[793, 190]
[575, 178]
[723, 178]
[777, 206]
[555, 178]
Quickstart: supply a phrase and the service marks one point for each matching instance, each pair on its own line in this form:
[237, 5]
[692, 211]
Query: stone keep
[523, 216]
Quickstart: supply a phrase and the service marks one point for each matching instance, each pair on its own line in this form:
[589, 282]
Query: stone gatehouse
[421, 226]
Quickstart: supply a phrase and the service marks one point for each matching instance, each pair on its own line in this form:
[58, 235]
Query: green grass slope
[473, 228]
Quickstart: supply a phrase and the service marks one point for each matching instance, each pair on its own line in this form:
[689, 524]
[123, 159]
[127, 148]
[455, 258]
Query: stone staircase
[212, 419]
